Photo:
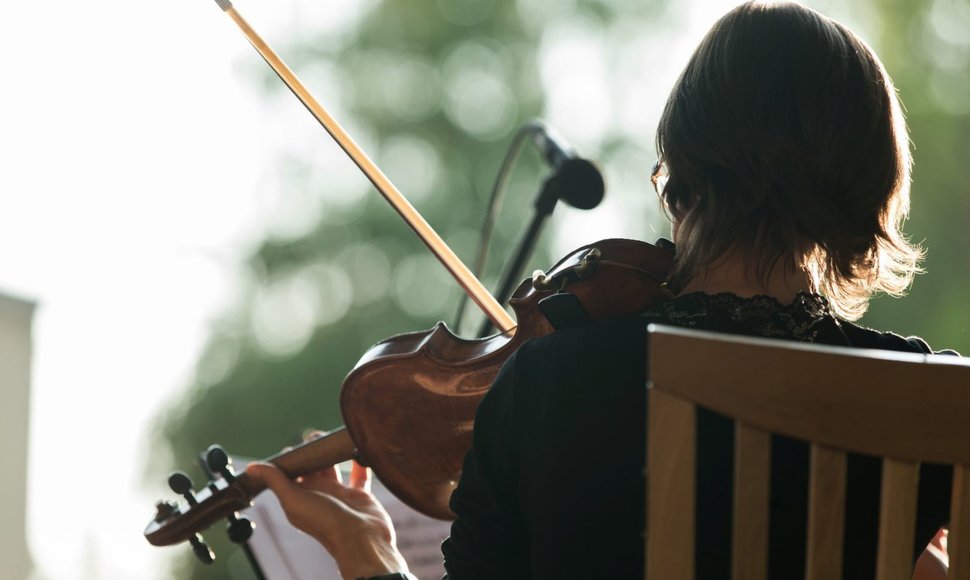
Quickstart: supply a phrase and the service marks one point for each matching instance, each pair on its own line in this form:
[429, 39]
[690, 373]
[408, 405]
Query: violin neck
[316, 454]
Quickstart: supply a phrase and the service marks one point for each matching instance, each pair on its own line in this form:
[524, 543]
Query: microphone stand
[246, 548]
[544, 205]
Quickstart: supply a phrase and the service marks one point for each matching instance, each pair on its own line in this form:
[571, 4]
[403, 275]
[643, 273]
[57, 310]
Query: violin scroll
[217, 499]
[227, 493]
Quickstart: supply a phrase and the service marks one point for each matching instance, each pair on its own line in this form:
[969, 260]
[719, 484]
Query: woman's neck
[735, 276]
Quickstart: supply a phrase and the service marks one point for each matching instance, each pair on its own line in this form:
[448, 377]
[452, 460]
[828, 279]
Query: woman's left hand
[345, 518]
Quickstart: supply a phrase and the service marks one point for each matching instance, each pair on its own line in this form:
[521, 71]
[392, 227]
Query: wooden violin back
[410, 402]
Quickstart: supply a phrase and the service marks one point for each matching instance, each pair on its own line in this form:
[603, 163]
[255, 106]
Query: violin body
[410, 402]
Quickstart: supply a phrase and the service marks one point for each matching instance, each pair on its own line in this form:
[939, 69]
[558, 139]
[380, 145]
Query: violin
[409, 403]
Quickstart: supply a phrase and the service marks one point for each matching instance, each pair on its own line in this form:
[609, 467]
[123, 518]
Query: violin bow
[466, 279]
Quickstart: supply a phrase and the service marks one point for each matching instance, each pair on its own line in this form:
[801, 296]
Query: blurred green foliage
[467, 80]
[441, 86]
[926, 48]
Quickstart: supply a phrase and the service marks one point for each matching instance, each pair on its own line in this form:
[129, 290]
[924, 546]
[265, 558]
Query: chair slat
[671, 470]
[752, 462]
[958, 540]
[826, 514]
[815, 394]
[897, 520]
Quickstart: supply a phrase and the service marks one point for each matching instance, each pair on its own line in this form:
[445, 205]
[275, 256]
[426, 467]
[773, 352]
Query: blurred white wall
[16, 317]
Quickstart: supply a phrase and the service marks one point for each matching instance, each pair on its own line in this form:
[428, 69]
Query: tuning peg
[180, 483]
[202, 550]
[239, 528]
[219, 462]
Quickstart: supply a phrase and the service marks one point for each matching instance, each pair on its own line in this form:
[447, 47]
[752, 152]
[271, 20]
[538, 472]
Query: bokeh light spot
[421, 286]
[465, 12]
[370, 272]
[287, 311]
[413, 164]
[477, 94]
[412, 88]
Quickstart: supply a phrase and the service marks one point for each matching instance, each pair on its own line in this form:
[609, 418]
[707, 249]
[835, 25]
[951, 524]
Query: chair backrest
[903, 407]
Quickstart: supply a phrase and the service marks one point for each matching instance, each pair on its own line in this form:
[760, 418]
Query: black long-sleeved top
[553, 486]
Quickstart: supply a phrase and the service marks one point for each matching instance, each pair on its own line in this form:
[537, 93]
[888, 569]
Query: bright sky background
[131, 154]
[130, 150]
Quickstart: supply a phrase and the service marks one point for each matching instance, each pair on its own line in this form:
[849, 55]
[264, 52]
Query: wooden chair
[837, 399]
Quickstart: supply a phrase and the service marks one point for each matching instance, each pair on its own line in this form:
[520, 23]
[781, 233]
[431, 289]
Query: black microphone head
[580, 183]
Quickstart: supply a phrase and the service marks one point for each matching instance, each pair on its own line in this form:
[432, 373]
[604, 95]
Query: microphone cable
[499, 187]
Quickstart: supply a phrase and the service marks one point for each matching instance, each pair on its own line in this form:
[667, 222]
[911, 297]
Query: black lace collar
[808, 318]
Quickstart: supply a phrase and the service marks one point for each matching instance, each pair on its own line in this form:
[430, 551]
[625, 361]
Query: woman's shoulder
[863, 337]
[585, 350]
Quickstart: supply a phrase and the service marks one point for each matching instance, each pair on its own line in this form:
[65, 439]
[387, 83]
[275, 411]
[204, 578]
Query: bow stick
[469, 283]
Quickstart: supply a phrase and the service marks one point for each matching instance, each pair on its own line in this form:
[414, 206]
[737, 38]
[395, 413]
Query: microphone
[574, 180]
[554, 148]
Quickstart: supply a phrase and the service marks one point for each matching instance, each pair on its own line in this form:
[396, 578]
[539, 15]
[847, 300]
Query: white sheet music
[285, 553]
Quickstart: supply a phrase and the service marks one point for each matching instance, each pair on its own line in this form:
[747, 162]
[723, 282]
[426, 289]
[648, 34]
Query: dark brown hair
[785, 143]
